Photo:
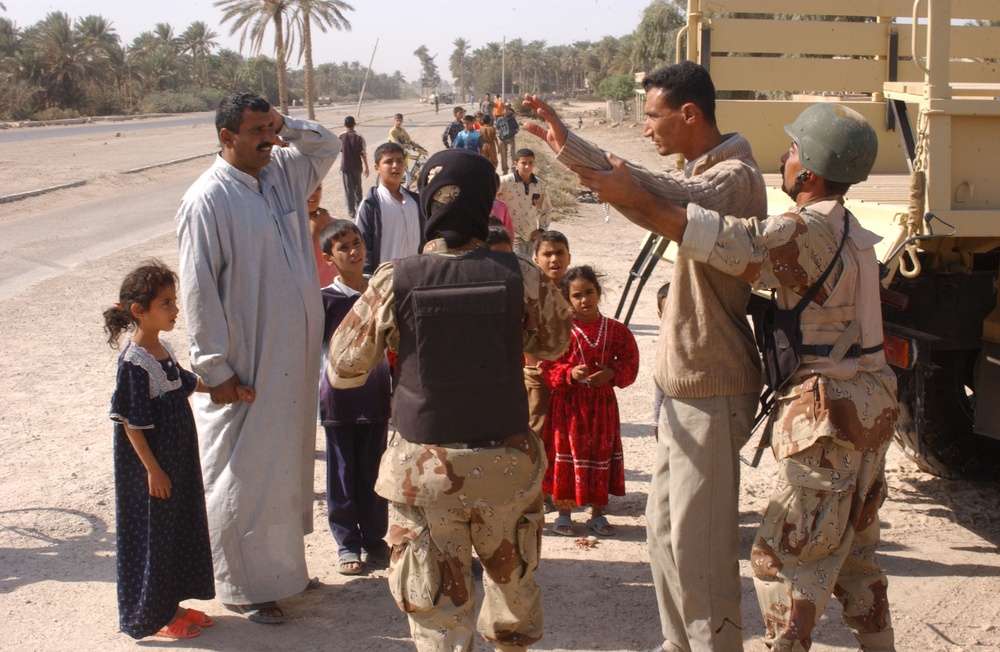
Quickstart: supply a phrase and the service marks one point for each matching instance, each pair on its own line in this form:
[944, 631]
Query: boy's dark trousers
[358, 516]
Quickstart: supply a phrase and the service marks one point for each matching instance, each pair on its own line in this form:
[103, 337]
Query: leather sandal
[179, 629]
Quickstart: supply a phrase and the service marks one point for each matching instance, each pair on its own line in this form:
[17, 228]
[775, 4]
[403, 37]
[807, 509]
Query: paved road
[41, 242]
[373, 110]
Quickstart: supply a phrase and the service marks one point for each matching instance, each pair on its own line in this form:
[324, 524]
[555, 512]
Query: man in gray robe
[254, 316]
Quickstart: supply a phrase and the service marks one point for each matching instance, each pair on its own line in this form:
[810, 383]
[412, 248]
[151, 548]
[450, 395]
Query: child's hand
[246, 393]
[579, 373]
[602, 377]
[159, 483]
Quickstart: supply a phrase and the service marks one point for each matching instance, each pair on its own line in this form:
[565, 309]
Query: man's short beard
[794, 191]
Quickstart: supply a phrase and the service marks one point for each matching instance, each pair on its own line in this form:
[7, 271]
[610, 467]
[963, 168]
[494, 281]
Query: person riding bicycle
[399, 136]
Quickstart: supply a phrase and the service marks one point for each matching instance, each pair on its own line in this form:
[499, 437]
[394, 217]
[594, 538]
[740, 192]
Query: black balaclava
[457, 188]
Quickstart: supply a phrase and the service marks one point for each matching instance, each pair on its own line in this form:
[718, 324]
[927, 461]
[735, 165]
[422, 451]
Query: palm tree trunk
[279, 46]
[307, 43]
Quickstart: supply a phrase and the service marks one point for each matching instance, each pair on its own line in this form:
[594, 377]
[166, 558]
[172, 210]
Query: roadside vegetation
[66, 67]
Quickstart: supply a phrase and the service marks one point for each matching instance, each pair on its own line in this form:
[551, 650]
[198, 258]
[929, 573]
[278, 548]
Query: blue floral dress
[163, 549]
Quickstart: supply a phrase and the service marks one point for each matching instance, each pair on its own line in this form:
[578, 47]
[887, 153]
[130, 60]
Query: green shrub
[210, 96]
[173, 102]
[618, 87]
[56, 113]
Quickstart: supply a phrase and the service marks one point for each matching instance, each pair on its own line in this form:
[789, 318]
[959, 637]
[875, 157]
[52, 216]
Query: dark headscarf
[457, 188]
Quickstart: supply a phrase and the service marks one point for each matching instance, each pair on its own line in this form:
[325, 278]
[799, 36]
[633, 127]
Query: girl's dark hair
[140, 286]
[496, 235]
[585, 273]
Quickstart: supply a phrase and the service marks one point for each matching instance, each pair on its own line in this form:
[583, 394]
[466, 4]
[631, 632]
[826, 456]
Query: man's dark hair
[521, 153]
[682, 83]
[661, 295]
[229, 114]
[349, 122]
[468, 118]
[837, 187]
[457, 109]
[398, 116]
[334, 231]
[552, 237]
[387, 148]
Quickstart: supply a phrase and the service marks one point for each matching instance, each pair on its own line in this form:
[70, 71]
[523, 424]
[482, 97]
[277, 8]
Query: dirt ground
[57, 528]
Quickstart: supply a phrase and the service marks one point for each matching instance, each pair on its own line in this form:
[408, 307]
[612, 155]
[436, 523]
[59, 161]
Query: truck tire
[945, 444]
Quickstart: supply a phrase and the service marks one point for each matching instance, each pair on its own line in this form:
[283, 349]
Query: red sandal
[199, 618]
[179, 629]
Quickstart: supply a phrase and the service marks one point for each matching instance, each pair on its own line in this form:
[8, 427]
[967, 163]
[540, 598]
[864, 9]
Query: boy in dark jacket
[390, 218]
[356, 420]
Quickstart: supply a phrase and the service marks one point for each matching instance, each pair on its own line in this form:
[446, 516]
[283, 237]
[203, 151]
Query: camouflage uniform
[830, 427]
[448, 500]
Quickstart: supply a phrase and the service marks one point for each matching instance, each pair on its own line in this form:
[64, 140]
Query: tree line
[606, 67]
[63, 67]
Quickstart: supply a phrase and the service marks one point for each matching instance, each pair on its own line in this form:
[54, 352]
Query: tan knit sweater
[706, 347]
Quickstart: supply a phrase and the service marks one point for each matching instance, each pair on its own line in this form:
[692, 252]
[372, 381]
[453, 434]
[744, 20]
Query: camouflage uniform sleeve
[778, 251]
[358, 345]
[547, 316]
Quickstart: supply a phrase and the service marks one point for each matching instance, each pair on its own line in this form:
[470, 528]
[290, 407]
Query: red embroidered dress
[582, 431]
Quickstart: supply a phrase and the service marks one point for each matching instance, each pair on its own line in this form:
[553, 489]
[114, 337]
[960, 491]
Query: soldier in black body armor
[464, 470]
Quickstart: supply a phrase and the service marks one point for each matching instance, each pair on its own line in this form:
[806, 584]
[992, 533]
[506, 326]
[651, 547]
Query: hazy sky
[400, 26]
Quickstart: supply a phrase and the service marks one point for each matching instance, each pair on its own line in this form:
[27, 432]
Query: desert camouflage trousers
[818, 538]
[430, 575]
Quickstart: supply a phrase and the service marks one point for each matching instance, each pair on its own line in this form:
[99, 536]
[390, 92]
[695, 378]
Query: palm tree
[457, 64]
[10, 38]
[229, 71]
[534, 61]
[99, 32]
[326, 13]
[65, 59]
[515, 61]
[253, 17]
[164, 35]
[199, 40]
[429, 76]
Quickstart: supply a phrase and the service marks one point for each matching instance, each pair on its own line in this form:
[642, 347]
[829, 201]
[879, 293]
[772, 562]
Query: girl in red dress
[582, 432]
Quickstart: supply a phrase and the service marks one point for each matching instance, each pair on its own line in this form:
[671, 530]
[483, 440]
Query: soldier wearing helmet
[833, 419]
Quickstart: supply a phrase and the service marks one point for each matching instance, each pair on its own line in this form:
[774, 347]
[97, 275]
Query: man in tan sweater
[706, 361]
[833, 417]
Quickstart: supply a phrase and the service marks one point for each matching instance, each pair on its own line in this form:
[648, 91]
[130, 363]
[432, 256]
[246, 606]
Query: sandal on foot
[199, 618]
[379, 558]
[312, 585]
[563, 525]
[600, 526]
[258, 612]
[179, 629]
[349, 564]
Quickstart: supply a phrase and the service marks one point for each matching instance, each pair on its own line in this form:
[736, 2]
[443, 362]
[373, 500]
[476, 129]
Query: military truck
[926, 74]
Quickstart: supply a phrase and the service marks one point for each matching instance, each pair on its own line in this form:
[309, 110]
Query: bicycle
[415, 156]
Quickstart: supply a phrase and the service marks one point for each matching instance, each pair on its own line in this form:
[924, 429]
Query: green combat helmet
[835, 142]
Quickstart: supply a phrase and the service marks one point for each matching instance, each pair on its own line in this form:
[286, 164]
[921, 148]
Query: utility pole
[503, 67]
[361, 95]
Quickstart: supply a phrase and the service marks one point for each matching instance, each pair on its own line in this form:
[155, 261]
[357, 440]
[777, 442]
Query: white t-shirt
[400, 226]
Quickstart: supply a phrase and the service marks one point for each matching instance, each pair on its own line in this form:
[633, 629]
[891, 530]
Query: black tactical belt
[824, 350]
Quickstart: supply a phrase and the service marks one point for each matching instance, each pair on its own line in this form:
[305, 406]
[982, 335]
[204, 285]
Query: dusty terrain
[57, 528]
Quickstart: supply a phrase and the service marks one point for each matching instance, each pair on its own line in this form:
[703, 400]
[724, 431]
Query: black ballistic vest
[459, 374]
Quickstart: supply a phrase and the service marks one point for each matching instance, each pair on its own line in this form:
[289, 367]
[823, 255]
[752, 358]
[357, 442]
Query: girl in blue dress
[163, 553]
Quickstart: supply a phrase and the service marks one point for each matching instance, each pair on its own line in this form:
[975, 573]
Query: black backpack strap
[814, 290]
